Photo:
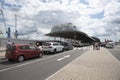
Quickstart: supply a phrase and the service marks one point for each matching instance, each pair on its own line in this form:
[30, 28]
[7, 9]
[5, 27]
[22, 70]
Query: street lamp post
[116, 33]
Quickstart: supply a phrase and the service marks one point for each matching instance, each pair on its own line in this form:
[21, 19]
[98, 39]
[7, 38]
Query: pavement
[92, 65]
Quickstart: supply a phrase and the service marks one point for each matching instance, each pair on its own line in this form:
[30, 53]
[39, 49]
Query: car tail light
[9, 52]
[16, 51]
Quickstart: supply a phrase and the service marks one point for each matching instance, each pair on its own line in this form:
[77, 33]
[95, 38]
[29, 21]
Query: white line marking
[27, 63]
[18, 66]
[67, 56]
[30, 62]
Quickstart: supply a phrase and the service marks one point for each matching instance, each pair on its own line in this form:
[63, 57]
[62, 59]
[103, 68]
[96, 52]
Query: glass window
[24, 47]
[32, 48]
[55, 44]
[46, 44]
[11, 48]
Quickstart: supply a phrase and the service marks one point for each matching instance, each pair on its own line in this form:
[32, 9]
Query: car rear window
[11, 48]
[65, 44]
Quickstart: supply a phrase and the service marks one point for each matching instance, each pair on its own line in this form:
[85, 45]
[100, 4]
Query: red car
[20, 52]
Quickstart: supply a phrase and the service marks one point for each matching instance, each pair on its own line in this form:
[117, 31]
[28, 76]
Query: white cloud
[38, 16]
[43, 30]
[98, 3]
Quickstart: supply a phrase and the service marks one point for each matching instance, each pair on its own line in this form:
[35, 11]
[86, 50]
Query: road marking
[67, 56]
[30, 62]
[3, 60]
[18, 66]
[27, 63]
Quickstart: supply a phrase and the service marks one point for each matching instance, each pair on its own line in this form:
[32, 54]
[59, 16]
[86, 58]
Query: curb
[2, 58]
[2, 50]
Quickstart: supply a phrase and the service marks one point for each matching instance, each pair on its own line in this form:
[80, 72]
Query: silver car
[109, 45]
[52, 47]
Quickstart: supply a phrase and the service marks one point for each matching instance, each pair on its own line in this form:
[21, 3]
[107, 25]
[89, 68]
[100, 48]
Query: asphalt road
[116, 52]
[37, 69]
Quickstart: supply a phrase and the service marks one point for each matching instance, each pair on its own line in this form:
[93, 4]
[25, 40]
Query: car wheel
[40, 55]
[21, 58]
[63, 50]
[55, 51]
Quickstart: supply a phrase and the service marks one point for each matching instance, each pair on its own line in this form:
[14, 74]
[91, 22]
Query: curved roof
[69, 31]
[64, 27]
[96, 39]
[77, 35]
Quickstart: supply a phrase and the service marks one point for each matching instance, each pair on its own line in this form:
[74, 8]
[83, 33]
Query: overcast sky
[99, 18]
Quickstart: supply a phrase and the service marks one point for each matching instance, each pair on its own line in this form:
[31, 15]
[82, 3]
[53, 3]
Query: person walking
[94, 46]
[8, 44]
[97, 46]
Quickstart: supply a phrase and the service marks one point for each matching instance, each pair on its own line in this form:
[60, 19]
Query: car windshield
[65, 44]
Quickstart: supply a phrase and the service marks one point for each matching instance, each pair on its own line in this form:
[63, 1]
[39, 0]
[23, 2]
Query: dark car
[20, 52]
[67, 45]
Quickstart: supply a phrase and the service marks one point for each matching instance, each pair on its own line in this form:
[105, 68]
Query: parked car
[103, 44]
[67, 45]
[77, 44]
[109, 45]
[20, 52]
[52, 47]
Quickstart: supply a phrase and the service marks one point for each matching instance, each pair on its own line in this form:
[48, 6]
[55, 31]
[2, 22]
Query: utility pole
[16, 32]
[15, 22]
[116, 34]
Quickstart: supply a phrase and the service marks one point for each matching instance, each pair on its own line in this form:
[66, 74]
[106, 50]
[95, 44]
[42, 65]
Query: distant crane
[4, 22]
[7, 30]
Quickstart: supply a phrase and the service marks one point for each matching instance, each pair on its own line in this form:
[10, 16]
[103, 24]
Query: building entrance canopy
[68, 31]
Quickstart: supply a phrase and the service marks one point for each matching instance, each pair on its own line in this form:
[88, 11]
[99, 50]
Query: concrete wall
[3, 41]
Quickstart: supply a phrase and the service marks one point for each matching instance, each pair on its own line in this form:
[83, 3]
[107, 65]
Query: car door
[25, 50]
[34, 51]
[60, 47]
[55, 45]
